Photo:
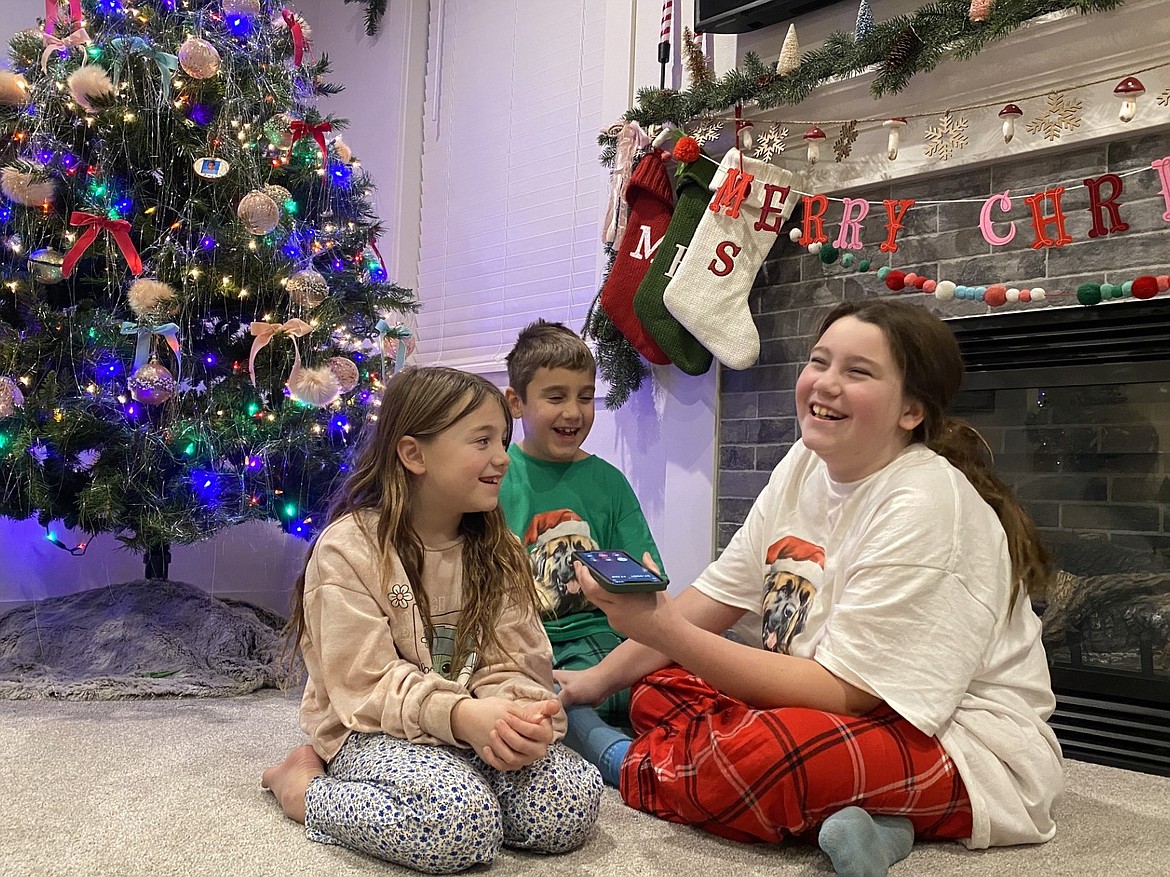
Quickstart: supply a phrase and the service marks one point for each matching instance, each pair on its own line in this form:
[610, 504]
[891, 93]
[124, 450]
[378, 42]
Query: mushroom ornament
[814, 137]
[1009, 114]
[895, 127]
[1129, 90]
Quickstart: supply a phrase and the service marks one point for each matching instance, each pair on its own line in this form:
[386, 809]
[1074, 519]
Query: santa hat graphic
[794, 548]
[549, 525]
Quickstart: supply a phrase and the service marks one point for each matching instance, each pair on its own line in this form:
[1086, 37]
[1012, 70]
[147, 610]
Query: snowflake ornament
[707, 130]
[843, 145]
[771, 142]
[1164, 98]
[39, 452]
[86, 460]
[1061, 115]
[948, 138]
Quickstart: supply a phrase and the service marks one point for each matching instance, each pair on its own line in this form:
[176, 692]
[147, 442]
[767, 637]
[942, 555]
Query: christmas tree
[195, 320]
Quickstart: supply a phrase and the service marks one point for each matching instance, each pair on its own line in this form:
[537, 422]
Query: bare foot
[290, 779]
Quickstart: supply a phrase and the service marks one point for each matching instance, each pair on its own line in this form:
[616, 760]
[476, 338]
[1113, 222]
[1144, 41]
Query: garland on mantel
[898, 48]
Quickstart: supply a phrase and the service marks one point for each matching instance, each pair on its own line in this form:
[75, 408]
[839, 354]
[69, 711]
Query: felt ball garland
[994, 295]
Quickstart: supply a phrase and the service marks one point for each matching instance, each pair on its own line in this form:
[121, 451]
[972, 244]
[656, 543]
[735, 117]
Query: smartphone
[619, 573]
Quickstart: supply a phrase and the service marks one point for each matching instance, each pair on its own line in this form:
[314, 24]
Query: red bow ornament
[119, 229]
[302, 129]
[300, 44]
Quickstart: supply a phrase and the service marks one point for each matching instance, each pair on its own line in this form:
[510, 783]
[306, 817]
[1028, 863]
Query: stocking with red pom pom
[709, 291]
[651, 201]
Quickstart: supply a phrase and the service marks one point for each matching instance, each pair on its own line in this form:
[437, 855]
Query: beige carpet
[168, 787]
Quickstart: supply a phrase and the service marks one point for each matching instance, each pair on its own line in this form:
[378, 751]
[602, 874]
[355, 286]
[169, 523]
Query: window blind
[511, 187]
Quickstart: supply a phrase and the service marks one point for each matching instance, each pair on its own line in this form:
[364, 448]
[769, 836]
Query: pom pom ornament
[44, 265]
[307, 288]
[87, 83]
[346, 372]
[152, 384]
[258, 212]
[686, 149]
[13, 89]
[199, 58]
[314, 386]
[152, 300]
[10, 396]
[24, 188]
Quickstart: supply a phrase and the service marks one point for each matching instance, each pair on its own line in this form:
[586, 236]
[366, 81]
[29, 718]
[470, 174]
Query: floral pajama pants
[440, 809]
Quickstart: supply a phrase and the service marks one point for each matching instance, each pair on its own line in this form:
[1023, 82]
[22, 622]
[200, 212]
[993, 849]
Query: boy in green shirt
[559, 499]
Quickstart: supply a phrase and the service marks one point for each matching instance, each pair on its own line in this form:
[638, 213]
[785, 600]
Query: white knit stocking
[708, 292]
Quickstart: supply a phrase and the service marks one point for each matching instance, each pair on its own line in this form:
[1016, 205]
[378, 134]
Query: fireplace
[1075, 405]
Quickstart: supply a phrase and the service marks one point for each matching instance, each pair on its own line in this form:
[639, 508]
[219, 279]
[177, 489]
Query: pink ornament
[930, 286]
[1163, 282]
[152, 384]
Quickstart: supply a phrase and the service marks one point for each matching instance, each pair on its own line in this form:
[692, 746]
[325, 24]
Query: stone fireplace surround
[794, 291]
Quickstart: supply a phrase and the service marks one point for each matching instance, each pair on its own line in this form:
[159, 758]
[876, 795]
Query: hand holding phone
[619, 573]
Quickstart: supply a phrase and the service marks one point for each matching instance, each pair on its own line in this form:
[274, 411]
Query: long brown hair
[931, 363]
[423, 402]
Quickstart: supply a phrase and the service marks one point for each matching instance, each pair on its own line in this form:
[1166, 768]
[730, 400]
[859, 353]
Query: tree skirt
[138, 639]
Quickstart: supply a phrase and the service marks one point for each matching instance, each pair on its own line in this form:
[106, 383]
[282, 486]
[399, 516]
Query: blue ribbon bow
[169, 331]
[167, 63]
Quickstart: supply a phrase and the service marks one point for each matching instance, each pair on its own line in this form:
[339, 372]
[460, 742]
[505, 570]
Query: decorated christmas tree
[195, 319]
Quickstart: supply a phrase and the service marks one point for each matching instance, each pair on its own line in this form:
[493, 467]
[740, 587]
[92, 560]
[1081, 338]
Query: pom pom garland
[996, 294]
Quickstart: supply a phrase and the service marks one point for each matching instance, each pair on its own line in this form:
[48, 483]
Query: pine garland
[942, 28]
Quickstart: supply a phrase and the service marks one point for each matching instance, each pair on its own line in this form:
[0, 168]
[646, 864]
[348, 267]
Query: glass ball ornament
[346, 372]
[199, 58]
[44, 265]
[279, 194]
[278, 130]
[307, 288]
[152, 384]
[241, 8]
[258, 212]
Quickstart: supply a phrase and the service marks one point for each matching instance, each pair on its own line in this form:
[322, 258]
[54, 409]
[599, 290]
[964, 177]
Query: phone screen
[619, 568]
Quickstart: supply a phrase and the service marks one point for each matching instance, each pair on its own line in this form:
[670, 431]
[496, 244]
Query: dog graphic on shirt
[788, 594]
[551, 539]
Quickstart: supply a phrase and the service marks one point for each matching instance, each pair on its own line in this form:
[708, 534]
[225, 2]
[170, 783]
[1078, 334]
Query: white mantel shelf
[1054, 53]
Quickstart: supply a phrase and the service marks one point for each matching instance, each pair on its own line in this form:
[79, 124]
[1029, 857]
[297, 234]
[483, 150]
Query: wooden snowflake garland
[843, 146]
[1062, 115]
[1164, 98]
[948, 138]
[707, 130]
[771, 143]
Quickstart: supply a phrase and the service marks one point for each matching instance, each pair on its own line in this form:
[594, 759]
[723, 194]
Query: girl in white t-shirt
[902, 689]
[429, 700]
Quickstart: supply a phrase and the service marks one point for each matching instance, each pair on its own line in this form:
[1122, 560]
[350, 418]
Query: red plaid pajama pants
[703, 758]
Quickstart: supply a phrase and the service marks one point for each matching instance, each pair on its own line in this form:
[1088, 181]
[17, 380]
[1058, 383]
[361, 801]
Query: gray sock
[860, 845]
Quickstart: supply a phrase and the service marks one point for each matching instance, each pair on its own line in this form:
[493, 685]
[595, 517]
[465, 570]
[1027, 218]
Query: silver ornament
[152, 384]
[345, 371]
[44, 265]
[307, 288]
[258, 212]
